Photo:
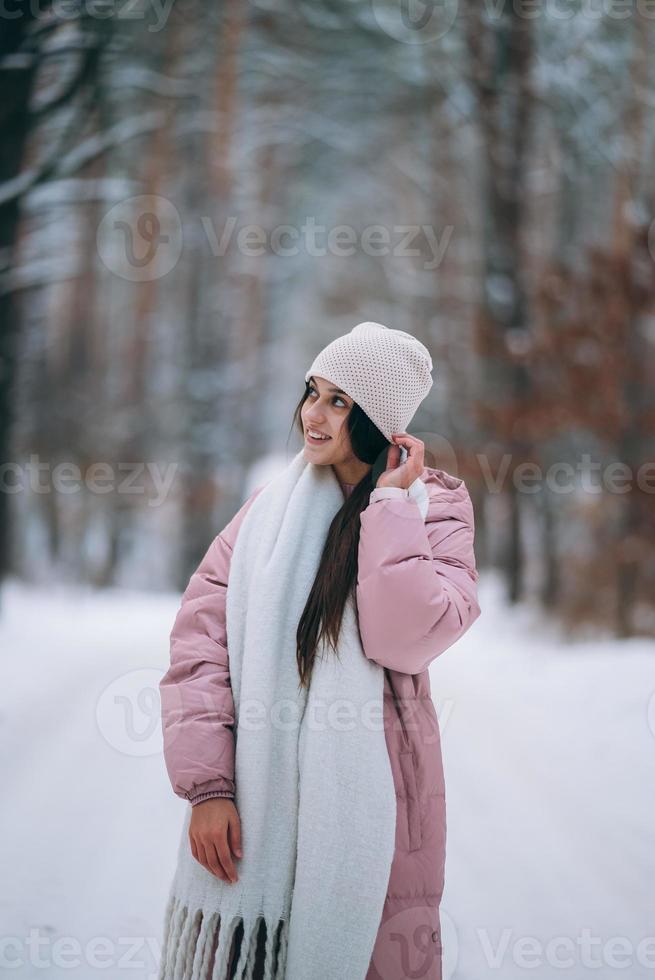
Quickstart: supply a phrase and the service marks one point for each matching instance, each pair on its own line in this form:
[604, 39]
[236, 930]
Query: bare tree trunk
[501, 58]
[209, 323]
[21, 38]
[16, 84]
[628, 241]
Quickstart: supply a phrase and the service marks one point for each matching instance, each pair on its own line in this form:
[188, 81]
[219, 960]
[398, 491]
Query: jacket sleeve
[197, 707]
[417, 580]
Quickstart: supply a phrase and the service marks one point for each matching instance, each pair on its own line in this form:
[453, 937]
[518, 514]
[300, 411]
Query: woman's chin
[318, 454]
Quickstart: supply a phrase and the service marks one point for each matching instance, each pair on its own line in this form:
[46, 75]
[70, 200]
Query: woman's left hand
[403, 475]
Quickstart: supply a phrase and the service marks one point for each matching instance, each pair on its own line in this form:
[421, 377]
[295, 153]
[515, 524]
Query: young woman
[297, 714]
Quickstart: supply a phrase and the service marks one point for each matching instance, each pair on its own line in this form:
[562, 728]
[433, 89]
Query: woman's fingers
[206, 854]
[234, 834]
[415, 452]
[399, 474]
[218, 865]
[223, 851]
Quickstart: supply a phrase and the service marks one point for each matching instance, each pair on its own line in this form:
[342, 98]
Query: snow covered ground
[549, 754]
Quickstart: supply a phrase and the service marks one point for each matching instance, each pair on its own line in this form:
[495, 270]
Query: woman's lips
[315, 442]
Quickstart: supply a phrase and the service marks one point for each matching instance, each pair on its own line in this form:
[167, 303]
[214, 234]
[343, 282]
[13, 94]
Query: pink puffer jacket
[416, 595]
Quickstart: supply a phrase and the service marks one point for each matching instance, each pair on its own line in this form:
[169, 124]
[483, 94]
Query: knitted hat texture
[387, 372]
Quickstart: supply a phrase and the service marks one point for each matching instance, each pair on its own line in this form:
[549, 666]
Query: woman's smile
[312, 436]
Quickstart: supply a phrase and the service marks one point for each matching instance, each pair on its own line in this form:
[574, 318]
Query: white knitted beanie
[387, 372]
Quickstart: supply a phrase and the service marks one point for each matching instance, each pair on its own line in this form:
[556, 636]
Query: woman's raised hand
[215, 836]
[399, 474]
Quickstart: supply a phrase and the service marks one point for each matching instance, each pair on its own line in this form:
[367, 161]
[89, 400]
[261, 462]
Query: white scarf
[314, 786]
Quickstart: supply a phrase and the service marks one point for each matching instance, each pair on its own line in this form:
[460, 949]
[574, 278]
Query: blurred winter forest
[196, 197]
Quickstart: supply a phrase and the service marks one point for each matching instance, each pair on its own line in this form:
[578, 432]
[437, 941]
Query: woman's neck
[347, 478]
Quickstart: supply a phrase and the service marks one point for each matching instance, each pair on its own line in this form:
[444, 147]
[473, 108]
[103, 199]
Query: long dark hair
[336, 578]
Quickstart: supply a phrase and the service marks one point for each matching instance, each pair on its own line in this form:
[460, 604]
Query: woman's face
[325, 411]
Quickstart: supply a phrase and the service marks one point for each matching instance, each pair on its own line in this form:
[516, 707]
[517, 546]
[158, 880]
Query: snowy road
[549, 754]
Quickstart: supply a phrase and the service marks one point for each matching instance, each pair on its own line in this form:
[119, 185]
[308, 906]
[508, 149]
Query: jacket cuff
[210, 794]
[417, 491]
[381, 492]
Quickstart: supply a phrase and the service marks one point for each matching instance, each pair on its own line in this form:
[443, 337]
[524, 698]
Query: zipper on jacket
[397, 707]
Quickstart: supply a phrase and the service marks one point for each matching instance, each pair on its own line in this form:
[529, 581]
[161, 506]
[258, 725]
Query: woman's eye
[311, 390]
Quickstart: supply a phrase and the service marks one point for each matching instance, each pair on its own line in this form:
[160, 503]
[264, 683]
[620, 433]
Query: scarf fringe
[190, 936]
